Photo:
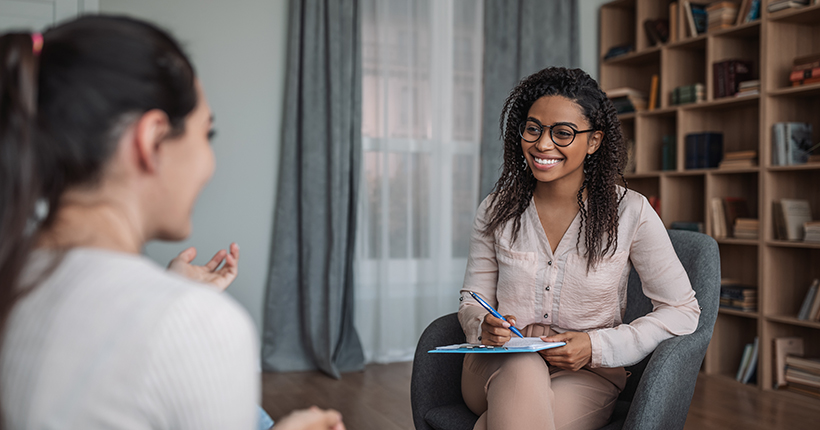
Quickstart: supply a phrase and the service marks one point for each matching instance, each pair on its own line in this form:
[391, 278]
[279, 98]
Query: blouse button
[546, 315]
[549, 262]
[548, 288]
[461, 299]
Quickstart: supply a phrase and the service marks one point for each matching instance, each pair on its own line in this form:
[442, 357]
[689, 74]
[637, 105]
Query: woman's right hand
[495, 331]
[311, 419]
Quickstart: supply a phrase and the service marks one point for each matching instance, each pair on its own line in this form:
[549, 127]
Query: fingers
[496, 322]
[216, 260]
[187, 255]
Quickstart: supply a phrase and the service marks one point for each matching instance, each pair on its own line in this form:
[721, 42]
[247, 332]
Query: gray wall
[588, 34]
[238, 49]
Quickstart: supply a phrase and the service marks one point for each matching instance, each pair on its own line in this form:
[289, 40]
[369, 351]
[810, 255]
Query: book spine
[713, 149]
[691, 151]
[807, 302]
[799, 75]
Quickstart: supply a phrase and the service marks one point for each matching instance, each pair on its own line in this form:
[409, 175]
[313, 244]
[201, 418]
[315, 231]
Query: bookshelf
[781, 270]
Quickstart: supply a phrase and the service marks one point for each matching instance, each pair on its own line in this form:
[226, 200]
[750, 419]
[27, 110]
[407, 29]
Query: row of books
[805, 70]
[739, 159]
[790, 218]
[791, 143]
[793, 371]
[722, 14]
[747, 370]
[730, 218]
[734, 295]
[627, 99]
[728, 74]
[777, 5]
[692, 93]
[810, 308]
[703, 150]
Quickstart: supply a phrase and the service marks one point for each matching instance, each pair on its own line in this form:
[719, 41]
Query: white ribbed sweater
[113, 341]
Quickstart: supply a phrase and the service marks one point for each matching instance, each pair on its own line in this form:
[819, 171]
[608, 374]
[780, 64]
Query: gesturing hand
[572, 356]
[495, 331]
[311, 419]
[210, 273]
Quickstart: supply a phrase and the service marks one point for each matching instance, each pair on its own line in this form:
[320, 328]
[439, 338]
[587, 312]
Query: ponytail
[19, 187]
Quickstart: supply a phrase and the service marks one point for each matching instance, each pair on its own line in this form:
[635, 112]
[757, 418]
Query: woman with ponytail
[104, 146]
[551, 249]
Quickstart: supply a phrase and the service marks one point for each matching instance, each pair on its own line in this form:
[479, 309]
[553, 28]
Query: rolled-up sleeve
[481, 276]
[665, 282]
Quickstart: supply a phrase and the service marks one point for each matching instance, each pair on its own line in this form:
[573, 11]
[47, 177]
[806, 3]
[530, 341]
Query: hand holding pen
[496, 329]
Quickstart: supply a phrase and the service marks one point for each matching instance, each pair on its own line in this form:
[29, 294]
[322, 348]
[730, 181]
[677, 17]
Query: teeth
[546, 161]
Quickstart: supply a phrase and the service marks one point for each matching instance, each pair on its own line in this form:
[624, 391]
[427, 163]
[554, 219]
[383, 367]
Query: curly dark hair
[512, 193]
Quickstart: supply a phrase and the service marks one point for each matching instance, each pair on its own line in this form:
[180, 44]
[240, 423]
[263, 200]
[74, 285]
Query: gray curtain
[309, 304]
[521, 37]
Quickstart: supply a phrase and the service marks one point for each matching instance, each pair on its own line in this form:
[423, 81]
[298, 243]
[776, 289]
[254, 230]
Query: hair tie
[36, 43]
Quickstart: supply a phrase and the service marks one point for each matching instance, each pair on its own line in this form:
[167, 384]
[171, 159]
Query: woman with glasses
[104, 146]
[551, 249]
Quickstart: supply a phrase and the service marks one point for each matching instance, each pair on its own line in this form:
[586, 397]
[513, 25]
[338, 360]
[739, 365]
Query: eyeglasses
[561, 134]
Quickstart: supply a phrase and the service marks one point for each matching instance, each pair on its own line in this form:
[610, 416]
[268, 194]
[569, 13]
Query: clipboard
[527, 344]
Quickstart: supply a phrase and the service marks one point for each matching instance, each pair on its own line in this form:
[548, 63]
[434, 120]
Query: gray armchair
[657, 394]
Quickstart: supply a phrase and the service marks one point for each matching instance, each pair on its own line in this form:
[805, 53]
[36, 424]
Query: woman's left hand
[572, 356]
[210, 273]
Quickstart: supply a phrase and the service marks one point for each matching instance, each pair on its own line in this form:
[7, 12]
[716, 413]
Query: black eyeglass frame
[550, 127]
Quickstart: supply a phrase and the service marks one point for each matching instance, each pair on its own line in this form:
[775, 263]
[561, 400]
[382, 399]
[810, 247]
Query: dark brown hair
[602, 169]
[60, 112]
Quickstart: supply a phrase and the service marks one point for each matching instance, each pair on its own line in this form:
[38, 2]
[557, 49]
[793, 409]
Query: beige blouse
[527, 280]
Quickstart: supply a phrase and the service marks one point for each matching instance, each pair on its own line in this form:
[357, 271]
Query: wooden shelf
[803, 15]
[648, 55]
[738, 313]
[785, 244]
[733, 241]
[627, 116]
[781, 270]
[794, 321]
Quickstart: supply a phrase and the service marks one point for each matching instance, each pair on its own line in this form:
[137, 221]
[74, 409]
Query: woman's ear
[594, 142]
[149, 132]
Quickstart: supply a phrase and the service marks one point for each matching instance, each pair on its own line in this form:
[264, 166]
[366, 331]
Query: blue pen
[494, 312]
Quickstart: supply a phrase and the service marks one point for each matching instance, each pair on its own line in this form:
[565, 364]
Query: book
[617, 51]
[739, 159]
[796, 212]
[653, 93]
[779, 222]
[744, 362]
[805, 308]
[751, 368]
[746, 228]
[734, 208]
[814, 311]
[754, 11]
[811, 231]
[742, 11]
[657, 30]
[791, 143]
[810, 365]
[527, 344]
[696, 17]
[777, 5]
[673, 22]
[728, 74]
[734, 295]
[784, 346]
[719, 228]
[669, 151]
[703, 150]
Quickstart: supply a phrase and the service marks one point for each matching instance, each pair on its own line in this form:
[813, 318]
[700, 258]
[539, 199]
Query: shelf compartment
[682, 198]
[789, 109]
[650, 131]
[731, 334]
[733, 45]
[739, 262]
[775, 327]
[683, 64]
[617, 25]
[742, 185]
[649, 186]
[733, 123]
[786, 40]
[789, 274]
[791, 184]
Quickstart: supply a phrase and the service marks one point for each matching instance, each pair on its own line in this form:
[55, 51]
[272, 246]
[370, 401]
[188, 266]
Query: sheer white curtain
[421, 106]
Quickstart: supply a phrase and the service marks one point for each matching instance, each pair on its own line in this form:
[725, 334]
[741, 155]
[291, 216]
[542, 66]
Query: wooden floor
[379, 399]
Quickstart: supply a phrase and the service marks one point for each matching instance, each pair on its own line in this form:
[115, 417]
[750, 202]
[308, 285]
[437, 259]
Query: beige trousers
[521, 391]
